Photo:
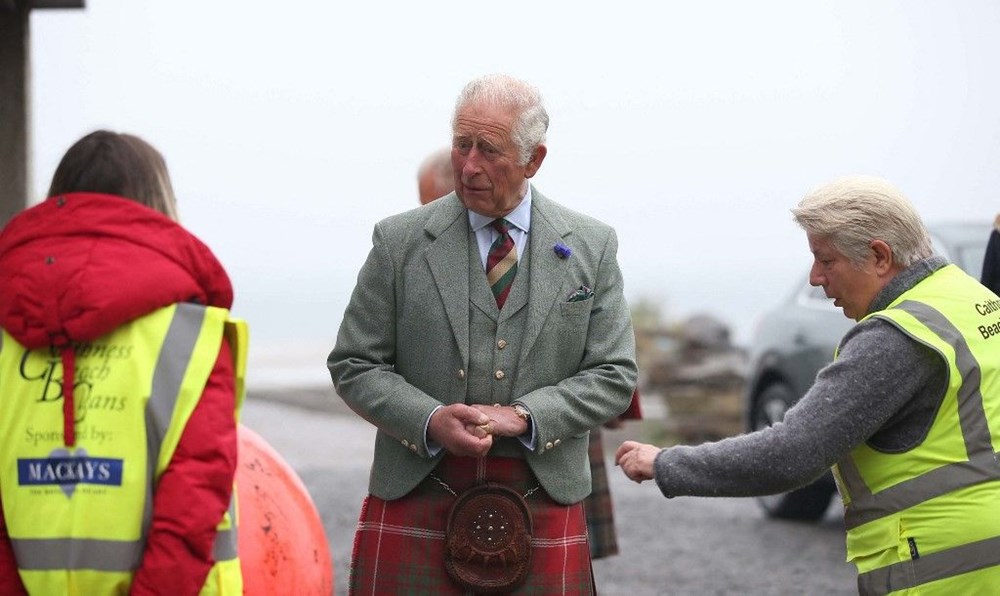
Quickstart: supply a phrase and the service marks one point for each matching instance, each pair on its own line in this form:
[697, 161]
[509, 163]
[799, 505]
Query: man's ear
[883, 257]
[535, 162]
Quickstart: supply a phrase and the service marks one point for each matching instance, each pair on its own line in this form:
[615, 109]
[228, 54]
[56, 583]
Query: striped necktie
[501, 262]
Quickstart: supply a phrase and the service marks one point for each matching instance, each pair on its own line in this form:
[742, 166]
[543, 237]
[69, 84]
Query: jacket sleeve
[193, 492]
[10, 579]
[590, 346]
[364, 363]
[879, 375]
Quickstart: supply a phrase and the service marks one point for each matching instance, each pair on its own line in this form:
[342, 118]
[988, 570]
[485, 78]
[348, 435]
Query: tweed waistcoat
[495, 339]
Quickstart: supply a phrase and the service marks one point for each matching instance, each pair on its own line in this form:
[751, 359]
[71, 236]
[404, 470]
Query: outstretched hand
[461, 430]
[637, 460]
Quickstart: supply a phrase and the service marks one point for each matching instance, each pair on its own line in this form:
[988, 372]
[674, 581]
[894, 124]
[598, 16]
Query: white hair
[532, 120]
[854, 210]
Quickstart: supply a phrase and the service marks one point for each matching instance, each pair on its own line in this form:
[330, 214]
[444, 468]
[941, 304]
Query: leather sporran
[488, 539]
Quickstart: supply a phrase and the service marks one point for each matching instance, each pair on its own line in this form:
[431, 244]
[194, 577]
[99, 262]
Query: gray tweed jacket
[414, 327]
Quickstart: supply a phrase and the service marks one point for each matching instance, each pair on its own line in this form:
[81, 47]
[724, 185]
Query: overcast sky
[290, 128]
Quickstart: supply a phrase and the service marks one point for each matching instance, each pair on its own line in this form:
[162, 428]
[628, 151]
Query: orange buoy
[283, 548]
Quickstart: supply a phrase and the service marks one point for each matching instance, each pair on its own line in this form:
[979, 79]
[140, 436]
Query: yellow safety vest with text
[78, 517]
[927, 520]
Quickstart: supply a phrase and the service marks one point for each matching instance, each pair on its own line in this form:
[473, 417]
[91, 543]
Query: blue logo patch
[67, 471]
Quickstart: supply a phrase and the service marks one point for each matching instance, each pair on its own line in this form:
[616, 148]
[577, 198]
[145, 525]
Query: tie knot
[501, 225]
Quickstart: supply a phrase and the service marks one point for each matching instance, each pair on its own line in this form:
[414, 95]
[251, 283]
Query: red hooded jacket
[76, 267]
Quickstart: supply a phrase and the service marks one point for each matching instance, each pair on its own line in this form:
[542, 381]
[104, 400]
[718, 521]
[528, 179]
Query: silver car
[794, 341]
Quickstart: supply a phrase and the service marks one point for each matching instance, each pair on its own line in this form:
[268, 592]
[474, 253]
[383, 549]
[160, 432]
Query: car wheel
[808, 503]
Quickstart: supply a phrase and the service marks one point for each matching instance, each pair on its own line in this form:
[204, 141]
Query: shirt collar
[520, 217]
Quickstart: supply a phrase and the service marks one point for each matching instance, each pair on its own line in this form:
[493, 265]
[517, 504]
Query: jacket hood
[77, 266]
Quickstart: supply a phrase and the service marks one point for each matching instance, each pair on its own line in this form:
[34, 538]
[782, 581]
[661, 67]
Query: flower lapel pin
[562, 251]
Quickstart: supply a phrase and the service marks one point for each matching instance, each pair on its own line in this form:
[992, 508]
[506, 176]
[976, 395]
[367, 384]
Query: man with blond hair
[908, 414]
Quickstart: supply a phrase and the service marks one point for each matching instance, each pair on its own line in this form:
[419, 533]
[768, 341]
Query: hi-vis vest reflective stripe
[135, 391]
[929, 517]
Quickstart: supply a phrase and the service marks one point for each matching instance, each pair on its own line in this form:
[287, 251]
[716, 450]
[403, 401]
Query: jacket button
[461, 373]
[548, 445]
[406, 443]
[413, 447]
[499, 375]
[557, 441]
[502, 344]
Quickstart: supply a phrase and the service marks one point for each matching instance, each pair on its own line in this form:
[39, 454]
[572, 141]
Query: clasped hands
[466, 430]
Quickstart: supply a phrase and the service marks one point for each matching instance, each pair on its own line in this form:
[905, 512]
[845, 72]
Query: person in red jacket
[111, 222]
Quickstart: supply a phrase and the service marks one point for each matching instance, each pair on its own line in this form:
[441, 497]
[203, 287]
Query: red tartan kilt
[399, 544]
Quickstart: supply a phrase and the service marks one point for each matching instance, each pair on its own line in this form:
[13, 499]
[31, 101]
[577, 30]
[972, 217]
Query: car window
[970, 258]
[968, 255]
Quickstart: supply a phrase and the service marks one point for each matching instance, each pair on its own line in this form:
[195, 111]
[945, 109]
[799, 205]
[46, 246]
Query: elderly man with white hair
[487, 334]
[907, 415]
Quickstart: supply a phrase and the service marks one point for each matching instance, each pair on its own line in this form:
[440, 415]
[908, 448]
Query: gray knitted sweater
[883, 389]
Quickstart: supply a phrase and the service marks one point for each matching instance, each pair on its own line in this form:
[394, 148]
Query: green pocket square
[581, 293]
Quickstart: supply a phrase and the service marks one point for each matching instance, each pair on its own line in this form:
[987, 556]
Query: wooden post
[15, 101]
[14, 138]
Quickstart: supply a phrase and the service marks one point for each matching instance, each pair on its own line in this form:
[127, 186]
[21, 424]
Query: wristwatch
[522, 412]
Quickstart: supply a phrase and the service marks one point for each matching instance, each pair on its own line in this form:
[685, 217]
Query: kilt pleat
[598, 505]
[399, 544]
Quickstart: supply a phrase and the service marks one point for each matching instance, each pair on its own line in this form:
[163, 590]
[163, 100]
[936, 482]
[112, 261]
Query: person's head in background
[498, 143]
[116, 164]
[434, 177]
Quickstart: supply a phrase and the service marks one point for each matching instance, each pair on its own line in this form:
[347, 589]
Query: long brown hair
[117, 164]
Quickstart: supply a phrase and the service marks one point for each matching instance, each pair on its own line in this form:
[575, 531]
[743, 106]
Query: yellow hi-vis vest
[927, 520]
[78, 517]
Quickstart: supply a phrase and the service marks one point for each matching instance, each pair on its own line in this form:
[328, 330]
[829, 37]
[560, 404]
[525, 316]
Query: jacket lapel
[547, 269]
[447, 258]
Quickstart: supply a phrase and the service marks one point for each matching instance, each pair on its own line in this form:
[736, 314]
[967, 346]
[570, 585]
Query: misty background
[291, 128]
